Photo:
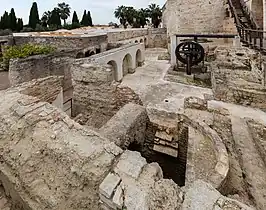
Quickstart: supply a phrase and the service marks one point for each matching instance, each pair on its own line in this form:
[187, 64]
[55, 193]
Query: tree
[75, 19]
[55, 21]
[155, 13]
[89, 19]
[84, 21]
[5, 21]
[34, 16]
[120, 13]
[19, 24]
[12, 20]
[46, 18]
[64, 11]
[142, 17]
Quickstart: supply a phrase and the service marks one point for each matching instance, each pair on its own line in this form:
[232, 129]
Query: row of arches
[88, 53]
[127, 64]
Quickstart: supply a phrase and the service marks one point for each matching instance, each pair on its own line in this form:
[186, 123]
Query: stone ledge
[219, 173]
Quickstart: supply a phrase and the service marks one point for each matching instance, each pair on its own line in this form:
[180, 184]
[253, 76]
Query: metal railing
[253, 38]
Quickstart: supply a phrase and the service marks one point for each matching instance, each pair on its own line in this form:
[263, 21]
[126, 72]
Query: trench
[173, 167]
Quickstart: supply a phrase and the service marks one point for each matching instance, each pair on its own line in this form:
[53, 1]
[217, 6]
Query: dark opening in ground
[173, 168]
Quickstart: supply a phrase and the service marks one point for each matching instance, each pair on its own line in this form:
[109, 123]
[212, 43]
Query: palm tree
[155, 13]
[45, 18]
[64, 11]
[120, 13]
[142, 17]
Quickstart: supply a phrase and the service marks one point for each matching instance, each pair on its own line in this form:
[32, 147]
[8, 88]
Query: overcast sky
[102, 11]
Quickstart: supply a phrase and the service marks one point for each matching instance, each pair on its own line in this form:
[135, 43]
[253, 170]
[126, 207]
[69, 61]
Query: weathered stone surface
[52, 157]
[165, 194]
[166, 150]
[130, 163]
[109, 184]
[201, 195]
[96, 95]
[128, 125]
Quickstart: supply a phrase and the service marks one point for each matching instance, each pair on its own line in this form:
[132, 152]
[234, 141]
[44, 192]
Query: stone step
[164, 135]
[252, 164]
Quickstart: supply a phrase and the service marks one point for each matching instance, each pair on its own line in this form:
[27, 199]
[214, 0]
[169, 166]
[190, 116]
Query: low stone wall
[40, 66]
[157, 37]
[128, 125]
[218, 176]
[96, 95]
[65, 42]
[120, 35]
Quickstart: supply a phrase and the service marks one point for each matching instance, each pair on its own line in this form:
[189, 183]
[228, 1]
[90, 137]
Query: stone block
[166, 150]
[163, 135]
[109, 184]
[130, 164]
[118, 197]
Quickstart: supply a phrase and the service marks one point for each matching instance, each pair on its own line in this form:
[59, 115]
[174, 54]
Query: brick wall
[40, 66]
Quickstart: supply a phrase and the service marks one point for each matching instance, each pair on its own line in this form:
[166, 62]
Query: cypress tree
[12, 20]
[34, 16]
[5, 20]
[19, 24]
[89, 19]
[84, 18]
[75, 19]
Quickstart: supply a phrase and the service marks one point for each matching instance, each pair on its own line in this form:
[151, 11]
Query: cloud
[102, 11]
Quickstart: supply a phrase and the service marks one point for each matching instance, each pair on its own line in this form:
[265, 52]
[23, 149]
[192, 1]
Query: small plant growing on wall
[23, 51]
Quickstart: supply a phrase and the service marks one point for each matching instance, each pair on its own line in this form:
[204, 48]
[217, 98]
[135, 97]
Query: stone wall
[128, 125]
[65, 42]
[157, 37]
[237, 77]
[96, 95]
[194, 16]
[39, 66]
[120, 35]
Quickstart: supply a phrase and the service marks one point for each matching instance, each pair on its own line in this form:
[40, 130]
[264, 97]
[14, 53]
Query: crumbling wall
[157, 37]
[65, 42]
[40, 66]
[96, 95]
[120, 35]
[48, 160]
[128, 125]
[237, 77]
[195, 16]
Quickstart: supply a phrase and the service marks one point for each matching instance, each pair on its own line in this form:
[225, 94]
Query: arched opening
[138, 58]
[141, 41]
[145, 42]
[136, 41]
[114, 68]
[89, 53]
[80, 55]
[127, 64]
[257, 10]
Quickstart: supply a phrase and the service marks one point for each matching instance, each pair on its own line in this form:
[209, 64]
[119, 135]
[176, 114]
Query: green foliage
[23, 51]
[12, 20]
[4, 23]
[64, 11]
[139, 18]
[84, 20]
[89, 19]
[34, 16]
[155, 13]
[55, 20]
[19, 25]
[75, 19]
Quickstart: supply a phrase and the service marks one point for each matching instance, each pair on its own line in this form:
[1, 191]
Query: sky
[102, 11]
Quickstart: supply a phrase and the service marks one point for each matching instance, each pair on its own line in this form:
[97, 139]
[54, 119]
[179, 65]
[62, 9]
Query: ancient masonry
[107, 123]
